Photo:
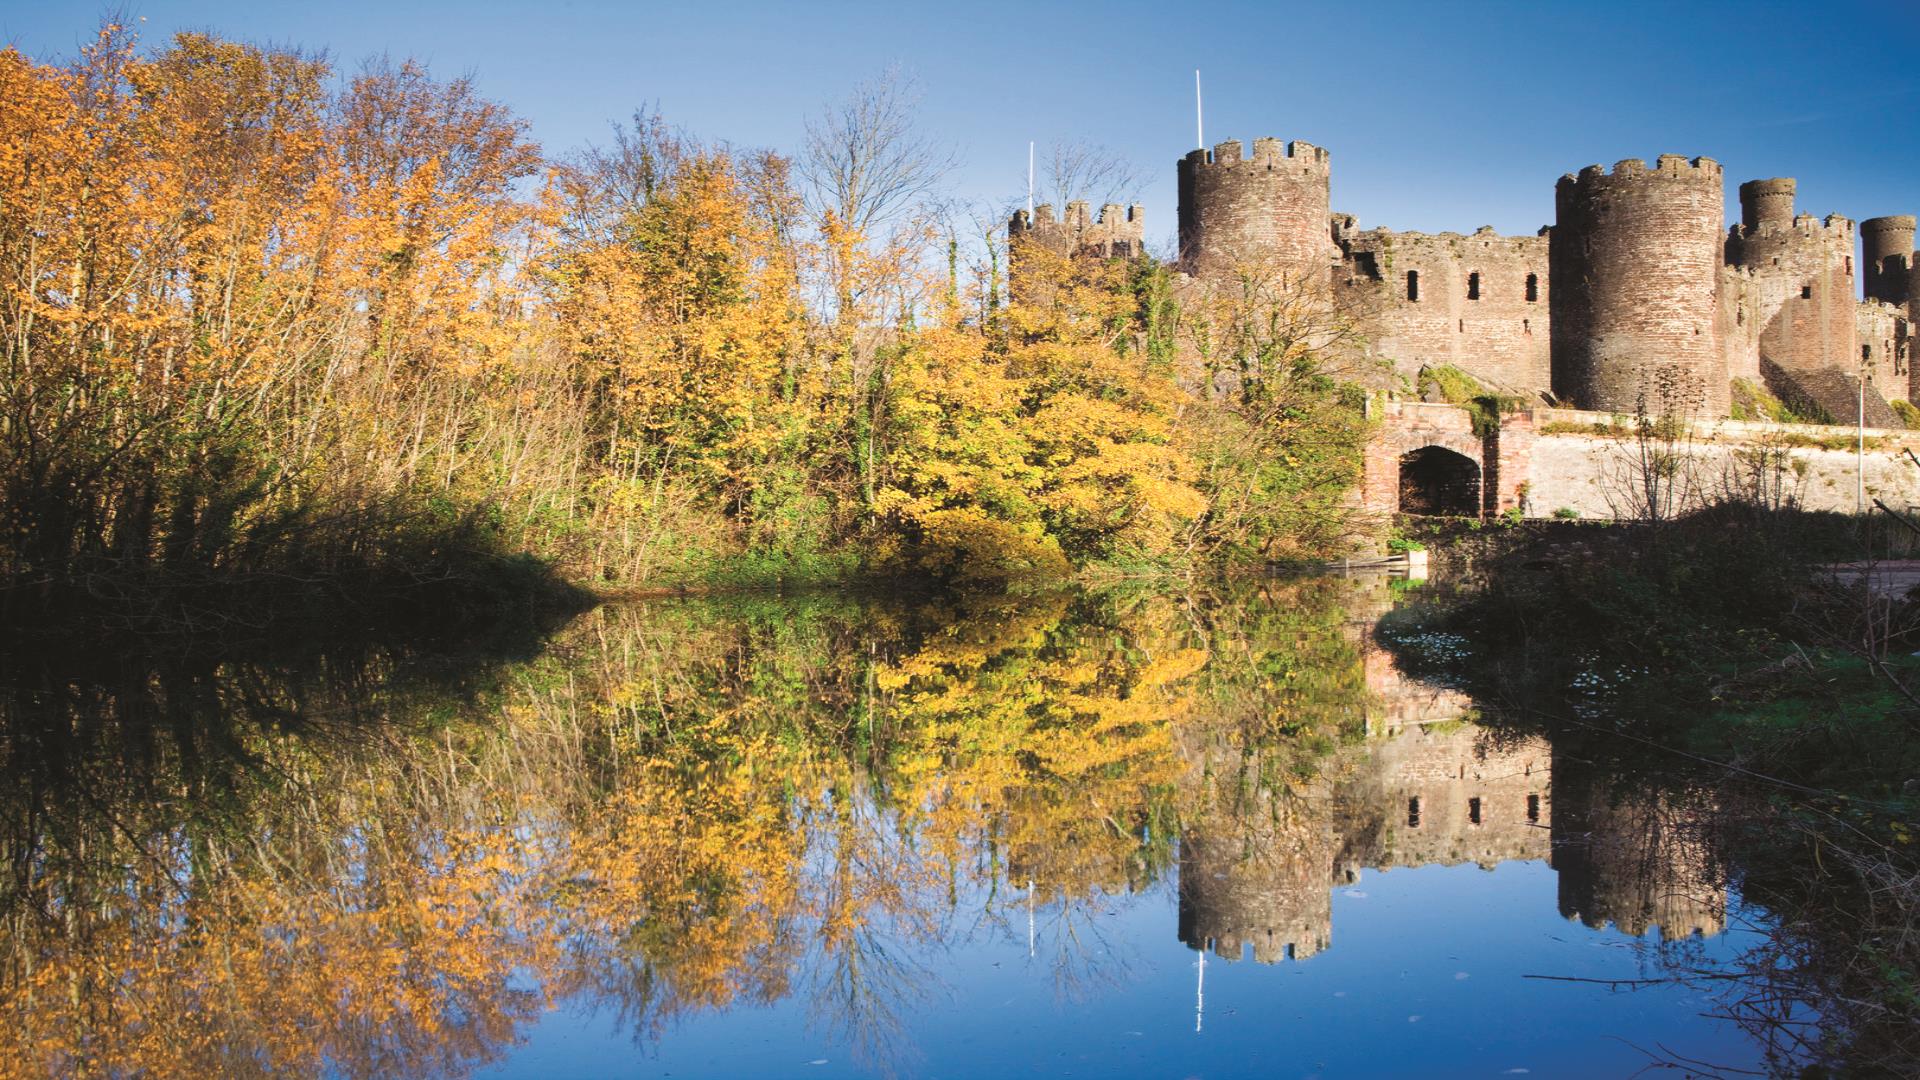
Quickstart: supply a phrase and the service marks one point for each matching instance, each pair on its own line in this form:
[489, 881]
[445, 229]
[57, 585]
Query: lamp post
[1860, 447]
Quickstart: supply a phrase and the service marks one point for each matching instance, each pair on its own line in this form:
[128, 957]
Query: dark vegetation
[1718, 647]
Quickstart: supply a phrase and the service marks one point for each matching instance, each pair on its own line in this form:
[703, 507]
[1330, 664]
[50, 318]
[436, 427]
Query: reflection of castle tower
[1262, 877]
[1635, 859]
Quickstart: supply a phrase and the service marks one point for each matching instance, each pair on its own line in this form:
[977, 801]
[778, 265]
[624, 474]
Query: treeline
[267, 324]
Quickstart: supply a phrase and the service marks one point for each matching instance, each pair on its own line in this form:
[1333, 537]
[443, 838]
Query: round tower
[1635, 257]
[1269, 212]
[1888, 246]
[1767, 202]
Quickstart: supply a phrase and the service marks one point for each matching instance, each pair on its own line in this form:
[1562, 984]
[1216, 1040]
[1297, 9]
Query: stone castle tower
[1267, 211]
[1796, 318]
[1888, 259]
[1635, 257]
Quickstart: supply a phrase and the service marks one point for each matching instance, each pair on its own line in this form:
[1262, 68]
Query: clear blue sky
[1438, 115]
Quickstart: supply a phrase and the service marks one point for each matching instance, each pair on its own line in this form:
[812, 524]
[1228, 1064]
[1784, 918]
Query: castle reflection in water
[1258, 862]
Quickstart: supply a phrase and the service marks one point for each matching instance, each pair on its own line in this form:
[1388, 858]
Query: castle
[1637, 296]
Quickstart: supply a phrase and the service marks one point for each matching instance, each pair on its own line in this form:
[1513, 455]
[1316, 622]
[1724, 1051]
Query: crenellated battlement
[1834, 229]
[1665, 167]
[1481, 239]
[1895, 225]
[1637, 285]
[1118, 232]
[1268, 153]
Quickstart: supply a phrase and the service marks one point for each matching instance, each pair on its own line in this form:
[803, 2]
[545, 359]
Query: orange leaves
[678, 305]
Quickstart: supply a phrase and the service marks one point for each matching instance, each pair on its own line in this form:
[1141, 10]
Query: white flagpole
[1199, 131]
[1029, 180]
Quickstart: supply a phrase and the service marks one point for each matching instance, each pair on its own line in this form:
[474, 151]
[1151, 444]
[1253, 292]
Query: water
[1209, 835]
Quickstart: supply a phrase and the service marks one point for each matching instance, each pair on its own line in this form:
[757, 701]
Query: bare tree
[1079, 170]
[864, 162]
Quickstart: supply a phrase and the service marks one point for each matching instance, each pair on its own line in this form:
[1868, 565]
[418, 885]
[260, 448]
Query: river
[1089, 833]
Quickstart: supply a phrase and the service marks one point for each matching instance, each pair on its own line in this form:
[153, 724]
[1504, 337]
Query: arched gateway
[1436, 480]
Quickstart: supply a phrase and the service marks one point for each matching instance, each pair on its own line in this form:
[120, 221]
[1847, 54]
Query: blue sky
[1438, 116]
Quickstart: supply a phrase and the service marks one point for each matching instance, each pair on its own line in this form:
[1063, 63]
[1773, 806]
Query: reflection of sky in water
[683, 820]
[1388, 998]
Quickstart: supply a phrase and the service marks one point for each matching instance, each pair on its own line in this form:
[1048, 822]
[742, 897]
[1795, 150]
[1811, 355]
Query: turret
[1766, 203]
[1888, 247]
[1264, 213]
[1635, 257]
[1799, 292]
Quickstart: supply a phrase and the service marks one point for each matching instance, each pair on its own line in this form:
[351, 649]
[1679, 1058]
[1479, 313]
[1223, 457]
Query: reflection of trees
[196, 885]
[331, 862]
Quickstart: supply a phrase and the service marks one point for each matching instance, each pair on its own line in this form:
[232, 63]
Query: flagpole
[1199, 130]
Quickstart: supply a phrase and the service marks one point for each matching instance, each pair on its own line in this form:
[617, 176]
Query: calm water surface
[1082, 835]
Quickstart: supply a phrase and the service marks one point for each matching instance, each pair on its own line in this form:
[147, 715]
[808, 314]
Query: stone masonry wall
[1546, 460]
[1117, 233]
[1886, 348]
[1803, 293]
[1477, 302]
[1592, 473]
[1887, 257]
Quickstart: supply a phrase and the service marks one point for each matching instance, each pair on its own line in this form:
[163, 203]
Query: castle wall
[1477, 302]
[1266, 212]
[1635, 257]
[1504, 458]
[1801, 295]
[1739, 330]
[1885, 334]
[1592, 473]
[1117, 233]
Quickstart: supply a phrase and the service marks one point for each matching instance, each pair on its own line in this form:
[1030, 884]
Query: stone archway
[1436, 480]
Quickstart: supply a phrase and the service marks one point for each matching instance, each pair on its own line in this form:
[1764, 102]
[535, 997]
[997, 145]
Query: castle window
[1463, 326]
[1526, 326]
[1413, 285]
[1533, 288]
[1533, 808]
[1849, 266]
[1413, 813]
[1806, 292]
[1473, 285]
[1866, 352]
[1473, 809]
